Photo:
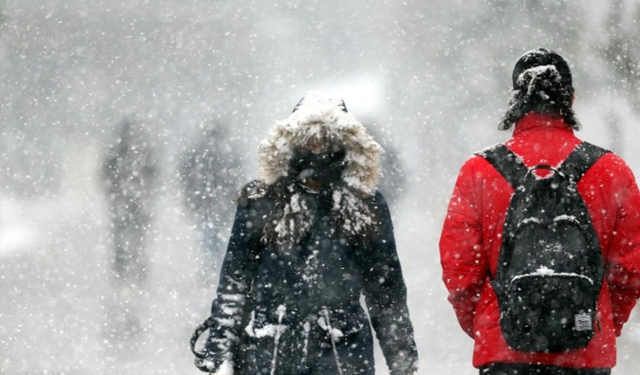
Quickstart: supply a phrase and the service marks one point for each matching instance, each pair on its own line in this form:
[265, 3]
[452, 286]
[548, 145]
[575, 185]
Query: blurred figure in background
[210, 173]
[129, 176]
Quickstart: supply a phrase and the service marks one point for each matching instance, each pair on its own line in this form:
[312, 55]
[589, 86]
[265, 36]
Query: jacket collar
[534, 121]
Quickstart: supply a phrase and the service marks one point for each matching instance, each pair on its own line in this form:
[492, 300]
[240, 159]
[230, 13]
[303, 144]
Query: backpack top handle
[512, 168]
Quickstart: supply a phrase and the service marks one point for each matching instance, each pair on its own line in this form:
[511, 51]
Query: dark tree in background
[621, 53]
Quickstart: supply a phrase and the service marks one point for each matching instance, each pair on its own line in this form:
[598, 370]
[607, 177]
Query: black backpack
[550, 267]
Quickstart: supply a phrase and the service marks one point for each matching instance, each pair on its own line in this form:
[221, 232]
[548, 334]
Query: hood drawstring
[306, 329]
[325, 312]
[276, 341]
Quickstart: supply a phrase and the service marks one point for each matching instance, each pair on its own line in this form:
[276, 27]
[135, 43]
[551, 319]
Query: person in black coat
[309, 239]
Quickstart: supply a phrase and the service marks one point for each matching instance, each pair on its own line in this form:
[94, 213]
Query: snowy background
[431, 78]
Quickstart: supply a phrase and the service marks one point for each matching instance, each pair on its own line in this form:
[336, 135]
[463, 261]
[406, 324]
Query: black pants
[528, 369]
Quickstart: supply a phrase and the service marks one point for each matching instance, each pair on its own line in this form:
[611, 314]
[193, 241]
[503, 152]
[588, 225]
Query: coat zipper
[325, 312]
[306, 328]
[276, 340]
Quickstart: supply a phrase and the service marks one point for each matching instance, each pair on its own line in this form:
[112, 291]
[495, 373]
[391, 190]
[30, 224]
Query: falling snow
[429, 81]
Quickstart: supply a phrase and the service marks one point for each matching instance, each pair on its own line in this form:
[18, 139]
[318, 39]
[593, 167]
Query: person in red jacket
[540, 111]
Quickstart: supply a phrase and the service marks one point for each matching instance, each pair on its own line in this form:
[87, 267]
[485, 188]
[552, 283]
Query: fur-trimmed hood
[322, 117]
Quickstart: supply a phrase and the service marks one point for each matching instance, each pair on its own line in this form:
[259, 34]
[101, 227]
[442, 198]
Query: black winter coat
[305, 311]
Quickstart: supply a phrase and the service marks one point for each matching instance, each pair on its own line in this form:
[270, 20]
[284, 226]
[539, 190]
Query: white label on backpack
[583, 322]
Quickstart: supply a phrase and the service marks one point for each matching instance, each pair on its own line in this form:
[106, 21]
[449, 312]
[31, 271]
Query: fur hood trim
[322, 117]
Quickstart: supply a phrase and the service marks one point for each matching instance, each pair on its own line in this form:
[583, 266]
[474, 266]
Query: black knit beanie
[541, 57]
[541, 83]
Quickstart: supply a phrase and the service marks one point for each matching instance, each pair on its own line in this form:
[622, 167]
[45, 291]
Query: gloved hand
[209, 364]
[219, 367]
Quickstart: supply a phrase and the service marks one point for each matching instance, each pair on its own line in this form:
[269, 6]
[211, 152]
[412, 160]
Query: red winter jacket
[472, 236]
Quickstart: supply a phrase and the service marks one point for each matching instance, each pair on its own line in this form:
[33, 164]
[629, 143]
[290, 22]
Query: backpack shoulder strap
[506, 162]
[583, 157]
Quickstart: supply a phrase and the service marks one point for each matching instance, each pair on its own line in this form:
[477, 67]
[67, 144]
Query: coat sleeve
[386, 294]
[623, 260]
[229, 309]
[465, 269]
